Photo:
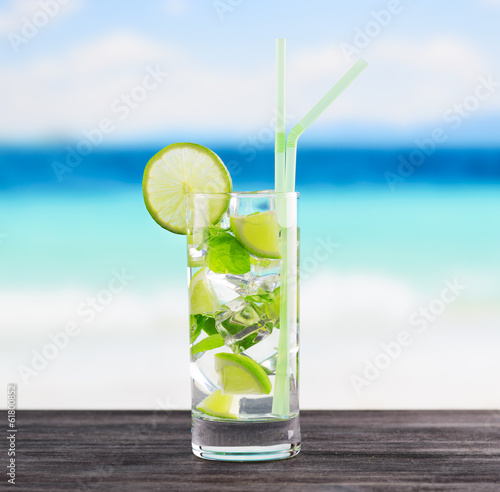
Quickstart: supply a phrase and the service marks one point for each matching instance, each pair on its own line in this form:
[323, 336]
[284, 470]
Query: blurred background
[399, 182]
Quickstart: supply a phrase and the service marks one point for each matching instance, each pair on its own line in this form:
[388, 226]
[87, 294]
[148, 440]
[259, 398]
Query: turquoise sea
[419, 235]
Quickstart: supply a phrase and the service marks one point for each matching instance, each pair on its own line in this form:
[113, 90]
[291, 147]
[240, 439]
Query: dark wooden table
[341, 451]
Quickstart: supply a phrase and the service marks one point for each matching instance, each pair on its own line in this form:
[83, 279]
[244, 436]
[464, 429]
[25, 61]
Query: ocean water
[251, 168]
[419, 235]
[84, 251]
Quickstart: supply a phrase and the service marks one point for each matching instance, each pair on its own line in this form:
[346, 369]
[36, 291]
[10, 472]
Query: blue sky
[429, 57]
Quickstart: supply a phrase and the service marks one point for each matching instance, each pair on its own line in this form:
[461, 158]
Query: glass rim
[250, 194]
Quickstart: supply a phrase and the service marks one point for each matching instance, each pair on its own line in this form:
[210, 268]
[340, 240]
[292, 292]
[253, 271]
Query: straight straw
[288, 308]
[281, 398]
[280, 130]
[298, 129]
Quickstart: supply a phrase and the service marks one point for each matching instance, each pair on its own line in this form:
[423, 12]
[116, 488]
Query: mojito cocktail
[235, 289]
[243, 303]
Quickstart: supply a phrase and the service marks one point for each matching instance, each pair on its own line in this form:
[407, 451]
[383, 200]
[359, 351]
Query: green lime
[179, 169]
[202, 298]
[258, 233]
[218, 405]
[241, 375]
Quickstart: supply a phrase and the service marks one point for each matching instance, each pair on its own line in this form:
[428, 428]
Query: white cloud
[14, 17]
[415, 82]
[60, 96]
[11, 18]
[118, 50]
[436, 55]
[406, 82]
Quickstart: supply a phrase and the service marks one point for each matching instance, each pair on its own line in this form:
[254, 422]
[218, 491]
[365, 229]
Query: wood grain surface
[341, 451]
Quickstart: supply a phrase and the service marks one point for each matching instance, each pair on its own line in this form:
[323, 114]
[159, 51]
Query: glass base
[245, 441]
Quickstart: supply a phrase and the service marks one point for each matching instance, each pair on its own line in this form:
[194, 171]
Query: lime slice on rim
[179, 169]
[202, 298]
[258, 233]
[241, 375]
[219, 405]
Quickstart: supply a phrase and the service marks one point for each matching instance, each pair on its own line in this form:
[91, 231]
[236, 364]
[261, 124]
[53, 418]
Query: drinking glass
[244, 318]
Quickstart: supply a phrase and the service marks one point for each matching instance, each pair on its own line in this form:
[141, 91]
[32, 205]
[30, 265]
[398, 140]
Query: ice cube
[269, 364]
[233, 306]
[258, 405]
[263, 284]
[228, 287]
[267, 302]
[265, 274]
[243, 324]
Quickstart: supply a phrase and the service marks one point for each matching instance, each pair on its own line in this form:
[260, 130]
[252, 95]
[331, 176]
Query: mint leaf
[196, 323]
[209, 326]
[209, 343]
[216, 230]
[227, 255]
[202, 322]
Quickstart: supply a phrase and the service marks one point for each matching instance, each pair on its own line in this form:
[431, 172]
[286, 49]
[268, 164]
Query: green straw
[281, 398]
[300, 127]
[287, 219]
[288, 311]
[280, 131]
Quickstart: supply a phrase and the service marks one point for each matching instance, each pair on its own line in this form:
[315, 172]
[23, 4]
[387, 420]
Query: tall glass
[243, 286]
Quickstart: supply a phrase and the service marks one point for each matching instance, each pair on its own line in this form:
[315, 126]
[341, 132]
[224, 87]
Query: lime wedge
[219, 405]
[179, 169]
[258, 233]
[241, 375]
[202, 298]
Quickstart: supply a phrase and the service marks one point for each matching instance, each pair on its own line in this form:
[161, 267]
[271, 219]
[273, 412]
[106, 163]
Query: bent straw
[280, 129]
[288, 221]
[303, 124]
